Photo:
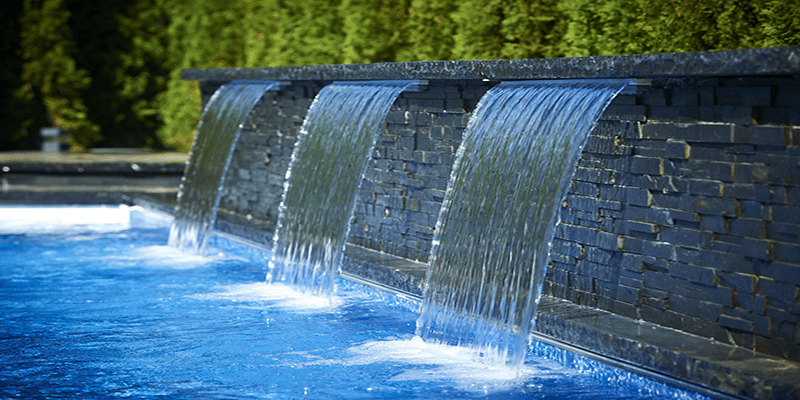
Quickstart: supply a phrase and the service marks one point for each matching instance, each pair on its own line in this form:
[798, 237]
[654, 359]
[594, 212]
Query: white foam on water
[61, 219]
[164, 256]
[437, 362]
[276, 294]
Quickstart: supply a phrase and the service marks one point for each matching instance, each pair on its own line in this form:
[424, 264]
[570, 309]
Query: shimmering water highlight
[91, 314]
[328, 162]
[213, 146]
[493, 235]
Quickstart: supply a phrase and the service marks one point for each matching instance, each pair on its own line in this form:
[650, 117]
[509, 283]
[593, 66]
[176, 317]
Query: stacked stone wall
[253, 186]
[684, 209]
[405, 181]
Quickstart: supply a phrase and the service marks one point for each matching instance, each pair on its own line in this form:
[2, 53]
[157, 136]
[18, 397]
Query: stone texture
[769, 61]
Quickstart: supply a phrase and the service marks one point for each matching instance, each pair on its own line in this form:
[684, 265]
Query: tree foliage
[51, 74]
[780, 23]
[639, 26]
[17, 114]
[373, 30]
[492, 29]
[110, 71]
[431, 30]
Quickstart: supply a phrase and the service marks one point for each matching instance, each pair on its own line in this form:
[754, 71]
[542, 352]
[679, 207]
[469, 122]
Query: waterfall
[328, 163]
[492, 239]
[217, 133]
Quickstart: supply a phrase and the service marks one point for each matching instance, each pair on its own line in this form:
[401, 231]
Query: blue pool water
[99, 307]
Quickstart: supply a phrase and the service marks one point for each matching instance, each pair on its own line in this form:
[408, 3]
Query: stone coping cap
[763, 61]
[18, 157]
[33, 162]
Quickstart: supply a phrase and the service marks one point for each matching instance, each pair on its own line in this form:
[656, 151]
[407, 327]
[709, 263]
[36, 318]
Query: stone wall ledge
[700, 364]
[731, 63]
[140, 164]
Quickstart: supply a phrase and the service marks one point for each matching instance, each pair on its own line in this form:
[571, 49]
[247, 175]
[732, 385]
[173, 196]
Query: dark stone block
[631, 262]
[657, 131]
[711, 170]
[673, 114]
[630, 244]
[658, 280]
[692, 273]
[628, 295]
[742, 115]
[660, 316]
[702, 309]
[655, 97]
[585, 188]
[685, 97]
[625, 113]
[747, 227]
[736, 323]
[706, 96]
[645, 165]
[776, 115]
[743, 283]
[745, 191]
[704, 133]
[583, 203]
[705, 187]
[783, 232]
[788, 252]
[787, 214]
[606, 241]
[756, 248]
[752, 304]
[677, 149]
[709, 205]
[762, 325]
[758, 96]
[569, 248]
[753, 209]
[638, 226]
[715, 259]
[652, 215]
[722, 296]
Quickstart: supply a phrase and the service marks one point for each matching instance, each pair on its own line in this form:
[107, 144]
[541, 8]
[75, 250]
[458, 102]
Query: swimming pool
[95, 305]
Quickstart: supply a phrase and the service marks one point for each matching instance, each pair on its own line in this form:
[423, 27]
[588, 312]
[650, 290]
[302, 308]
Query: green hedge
[112, 74]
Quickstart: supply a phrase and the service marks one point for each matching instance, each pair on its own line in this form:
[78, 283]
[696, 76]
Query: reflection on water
[76, 325]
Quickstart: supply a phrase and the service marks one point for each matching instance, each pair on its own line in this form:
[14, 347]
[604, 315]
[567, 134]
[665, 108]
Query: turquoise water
[100, 307]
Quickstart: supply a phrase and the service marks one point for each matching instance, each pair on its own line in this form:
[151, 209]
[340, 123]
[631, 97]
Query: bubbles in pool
[279, 295]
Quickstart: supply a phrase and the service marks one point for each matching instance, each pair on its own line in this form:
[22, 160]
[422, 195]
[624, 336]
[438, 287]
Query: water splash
[217, 133]
[327, 166]
[500, 210]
